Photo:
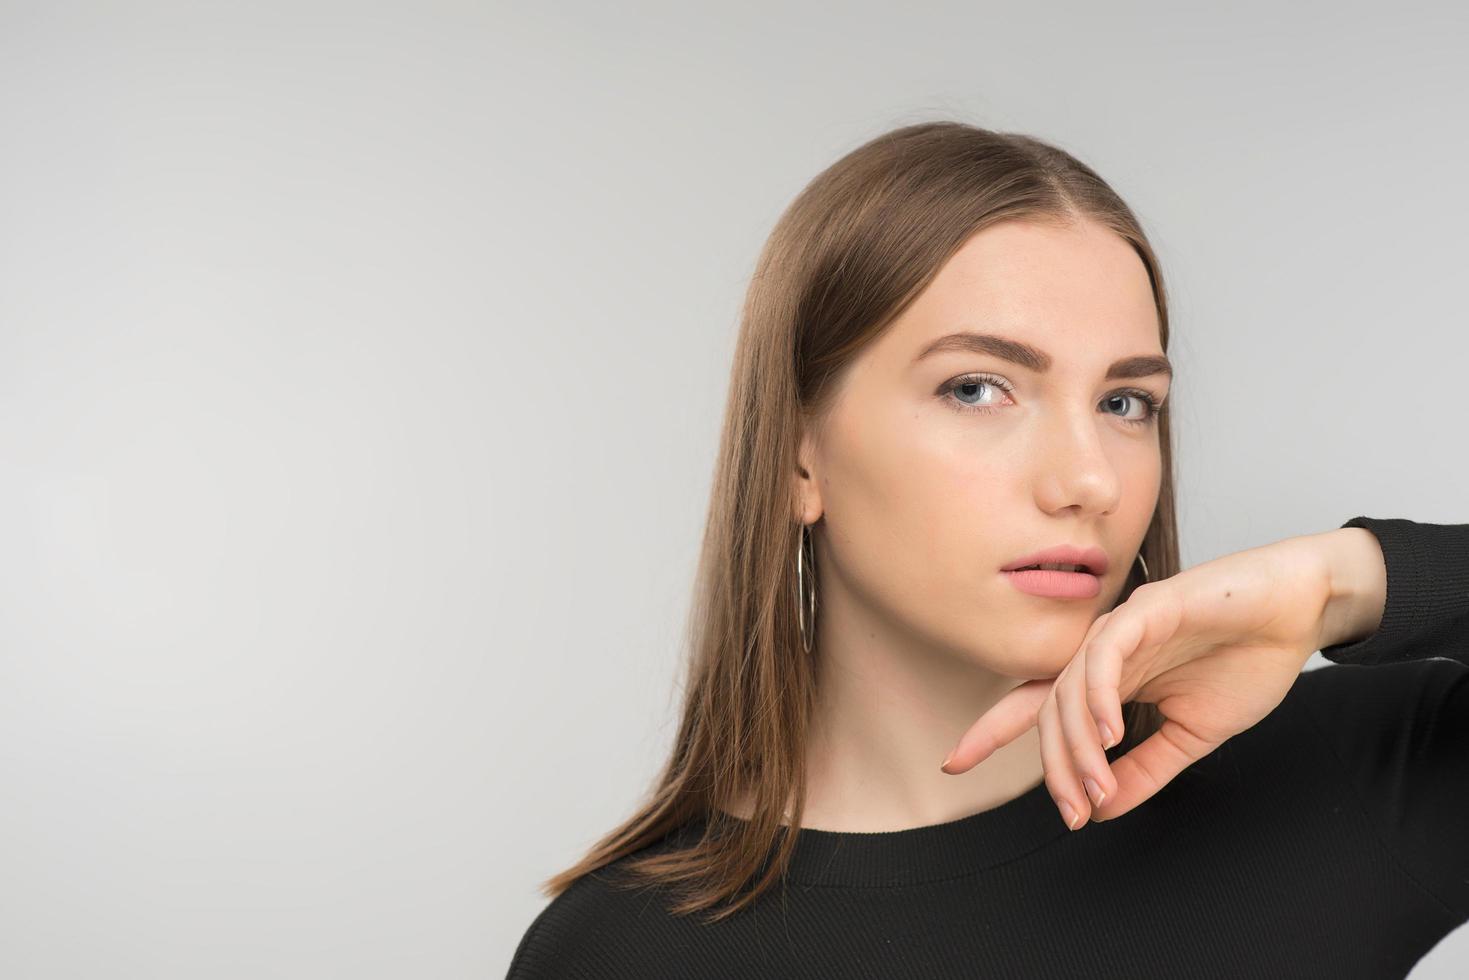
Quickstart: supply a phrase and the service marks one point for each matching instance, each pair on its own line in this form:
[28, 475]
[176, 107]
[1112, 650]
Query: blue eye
[972, 385]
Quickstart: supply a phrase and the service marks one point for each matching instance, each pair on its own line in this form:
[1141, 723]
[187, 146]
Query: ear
[808, 501]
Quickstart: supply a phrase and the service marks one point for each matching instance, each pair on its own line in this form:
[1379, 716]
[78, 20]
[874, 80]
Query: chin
[1037, 653]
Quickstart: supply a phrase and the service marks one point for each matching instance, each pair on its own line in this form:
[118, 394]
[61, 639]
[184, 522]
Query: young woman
[952, 366]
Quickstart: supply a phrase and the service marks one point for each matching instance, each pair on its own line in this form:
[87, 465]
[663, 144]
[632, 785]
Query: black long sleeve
[1394, 706]
[1427, 609]
[1331, 839]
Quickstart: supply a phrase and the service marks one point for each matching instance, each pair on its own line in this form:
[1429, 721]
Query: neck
[889, 708]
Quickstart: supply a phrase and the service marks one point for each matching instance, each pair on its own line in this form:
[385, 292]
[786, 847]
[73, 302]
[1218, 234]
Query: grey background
[361, 371]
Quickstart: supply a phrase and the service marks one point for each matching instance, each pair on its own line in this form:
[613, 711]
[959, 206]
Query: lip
[1093, 558]
[1056, 585]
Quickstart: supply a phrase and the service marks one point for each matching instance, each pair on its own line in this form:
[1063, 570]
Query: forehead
[1076, 290]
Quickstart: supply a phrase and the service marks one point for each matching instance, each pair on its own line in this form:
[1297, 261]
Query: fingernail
[947, 759]
[1068, 814]
[1093, 790]
[1107, 740]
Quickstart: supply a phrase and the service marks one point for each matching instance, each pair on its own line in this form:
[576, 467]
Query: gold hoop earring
[1145, 567]
[806, 593]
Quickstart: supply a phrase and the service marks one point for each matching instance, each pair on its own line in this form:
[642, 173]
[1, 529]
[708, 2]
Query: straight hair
[858, 244]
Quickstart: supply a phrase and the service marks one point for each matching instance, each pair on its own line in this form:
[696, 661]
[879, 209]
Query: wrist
[1357, 585]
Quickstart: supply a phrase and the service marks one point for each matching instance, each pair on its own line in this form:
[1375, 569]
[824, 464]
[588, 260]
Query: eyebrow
[1017, 352]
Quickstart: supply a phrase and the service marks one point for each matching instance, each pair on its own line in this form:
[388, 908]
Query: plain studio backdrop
[362, 368]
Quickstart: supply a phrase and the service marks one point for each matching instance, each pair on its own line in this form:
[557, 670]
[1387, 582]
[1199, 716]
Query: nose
[1073, 468]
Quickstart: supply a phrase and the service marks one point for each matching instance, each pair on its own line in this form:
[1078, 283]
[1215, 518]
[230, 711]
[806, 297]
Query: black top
[1331, 839]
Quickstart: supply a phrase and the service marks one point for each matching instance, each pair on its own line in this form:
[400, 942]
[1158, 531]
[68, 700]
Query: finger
[1006, 720]
[1079, 729]
[1105, 656]
[1137, 630]
[1060, 777]
[1153, 764]
[1086, 643]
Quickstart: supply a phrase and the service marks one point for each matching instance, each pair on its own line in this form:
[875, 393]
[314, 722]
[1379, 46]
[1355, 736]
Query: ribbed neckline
[928, 853]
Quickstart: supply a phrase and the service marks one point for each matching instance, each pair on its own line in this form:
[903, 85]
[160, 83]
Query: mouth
[1055, 580]
[1064, 559]
[1054, 567]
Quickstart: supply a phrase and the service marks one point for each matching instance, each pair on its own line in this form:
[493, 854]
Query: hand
[1216, 647]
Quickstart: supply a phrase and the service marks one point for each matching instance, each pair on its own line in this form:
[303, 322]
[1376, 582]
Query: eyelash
[1152, 403]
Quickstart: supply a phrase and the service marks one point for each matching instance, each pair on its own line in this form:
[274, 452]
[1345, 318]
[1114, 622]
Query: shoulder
[603, 925]
[565, 939]
[1379, 698]
[1399, 735]
[1398, 731]
[1374, 724]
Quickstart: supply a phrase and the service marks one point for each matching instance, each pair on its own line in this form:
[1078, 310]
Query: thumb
[1151, 766]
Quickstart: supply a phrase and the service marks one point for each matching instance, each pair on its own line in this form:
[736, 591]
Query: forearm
[1357, 573]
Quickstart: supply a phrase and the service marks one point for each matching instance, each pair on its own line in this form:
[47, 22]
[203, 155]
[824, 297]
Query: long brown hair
[853, 249]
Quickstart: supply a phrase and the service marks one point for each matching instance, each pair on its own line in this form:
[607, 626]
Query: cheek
[914, 525]
[919, 525]
[1142, 480]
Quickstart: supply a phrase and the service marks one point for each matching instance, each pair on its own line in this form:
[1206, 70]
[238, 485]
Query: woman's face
[934, 470]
